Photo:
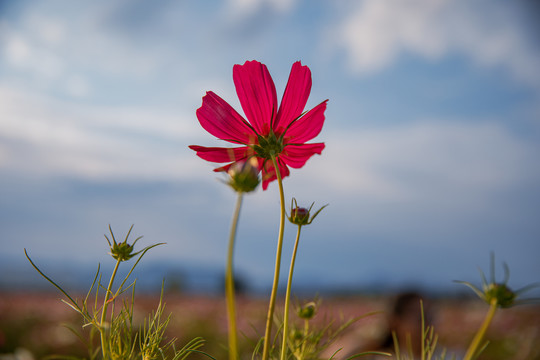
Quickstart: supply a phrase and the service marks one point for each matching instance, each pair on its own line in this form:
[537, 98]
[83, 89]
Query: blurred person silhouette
[404, 319]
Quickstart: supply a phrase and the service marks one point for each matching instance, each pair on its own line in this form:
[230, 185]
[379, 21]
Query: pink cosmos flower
[269, 131]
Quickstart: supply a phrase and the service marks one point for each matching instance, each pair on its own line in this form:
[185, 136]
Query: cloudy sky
[432, 134]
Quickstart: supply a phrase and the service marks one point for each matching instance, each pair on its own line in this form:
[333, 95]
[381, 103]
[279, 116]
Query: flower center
[269, 146]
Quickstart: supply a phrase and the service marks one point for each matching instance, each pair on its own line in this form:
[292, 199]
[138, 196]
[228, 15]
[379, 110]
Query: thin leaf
[369, 353]
[492, 268]
[472, 287]
[506, 273]
[52, 282]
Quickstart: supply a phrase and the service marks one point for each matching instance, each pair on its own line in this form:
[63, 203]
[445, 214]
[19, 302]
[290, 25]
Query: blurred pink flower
[269, 130]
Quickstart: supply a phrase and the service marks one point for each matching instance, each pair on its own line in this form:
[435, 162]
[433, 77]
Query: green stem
[475, 344]
[423, 328]
[229, 284]
[288, 297]
[102, 329]
[304, 339]
[272, 304]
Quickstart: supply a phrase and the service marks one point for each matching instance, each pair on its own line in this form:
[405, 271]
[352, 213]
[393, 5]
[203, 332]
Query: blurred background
[432, 141]
[432, 137]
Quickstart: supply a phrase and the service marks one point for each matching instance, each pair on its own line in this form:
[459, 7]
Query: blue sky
[432, 134]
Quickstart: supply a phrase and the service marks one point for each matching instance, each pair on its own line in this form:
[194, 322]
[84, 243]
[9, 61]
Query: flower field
[33, 325]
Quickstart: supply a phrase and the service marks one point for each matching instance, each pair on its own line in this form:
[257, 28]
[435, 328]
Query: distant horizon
[206, 280]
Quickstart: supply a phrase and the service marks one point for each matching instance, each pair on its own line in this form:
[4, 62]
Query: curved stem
[229, 284]
[272, 304]
[102, 329]
[475, 344]
[288, 297]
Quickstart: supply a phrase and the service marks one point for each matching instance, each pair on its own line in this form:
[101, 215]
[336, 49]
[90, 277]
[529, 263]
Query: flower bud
[299, 216]
[501, 293]
[244, 175]
[297, 337]
[302, 216]
[307, 311]
[122, 251]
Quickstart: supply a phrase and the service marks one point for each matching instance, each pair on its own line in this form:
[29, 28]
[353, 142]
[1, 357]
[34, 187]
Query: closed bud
[244, 175]
[302, 216]
[297, 336]
[307, 311]
[299, 216]
[122, 251]
[501, 293]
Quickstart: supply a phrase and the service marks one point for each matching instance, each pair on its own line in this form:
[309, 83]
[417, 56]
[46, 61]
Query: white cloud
[77, 86]
[248, 7]
[53, 50]
[430, 162]
[27, 52]
[376, 32]
[424, 162]
[47, 137]
[16, 49]
[49, 31]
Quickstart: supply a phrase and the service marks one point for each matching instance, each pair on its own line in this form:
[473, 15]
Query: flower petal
[308, 126]
[269, 172]
[221, 120]
[219, 154]
[296, 155]
[295, 96]
[227, 166]
[257, 94]
[224, 168]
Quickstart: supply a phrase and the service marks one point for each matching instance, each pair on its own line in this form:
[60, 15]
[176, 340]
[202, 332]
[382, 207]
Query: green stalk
[104, 348]
[272, 304]
[423, 328]
[288, 297]
[304, 340]
[229, 284]
[475, 344]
